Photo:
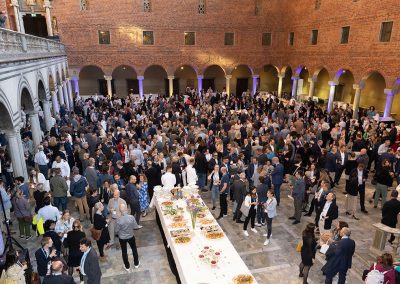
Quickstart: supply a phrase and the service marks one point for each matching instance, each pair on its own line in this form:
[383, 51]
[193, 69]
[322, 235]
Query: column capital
[200, 77]
[228, 77]
[332, 83]
[295, 78]
[171, 77]
[14, 3]
[256, 76]
[389, 92]
[357, 86]
[107, 78]
[281, 75]
[140, 78]
[312, 80]
[47, 4]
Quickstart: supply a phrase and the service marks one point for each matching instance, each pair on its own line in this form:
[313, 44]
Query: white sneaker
[137, 266]
[139, 227]
[258, 224]
[127, 269]
[245, 233]
[254, 230]
[266, 242]
[265, 235]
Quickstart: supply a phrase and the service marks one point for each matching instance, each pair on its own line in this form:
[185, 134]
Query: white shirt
[191, 175]
[48, 212]
[325, 210]
[41, 159]
[360, 176]
[342, 155]
[64, 166]
[168, 180]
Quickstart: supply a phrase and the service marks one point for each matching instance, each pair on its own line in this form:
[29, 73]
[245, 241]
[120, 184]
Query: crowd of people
[106, 155]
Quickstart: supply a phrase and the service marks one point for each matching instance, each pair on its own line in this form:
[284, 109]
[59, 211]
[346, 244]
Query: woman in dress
[308, 251]
[143, 194]
[72, 243]
[100, 223]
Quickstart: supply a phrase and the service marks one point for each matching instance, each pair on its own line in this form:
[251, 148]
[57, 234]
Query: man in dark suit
[277, 176]
[251, 169]
[362, 176]
[390, 210]
[44, 255]
[57, 277]
[55, 131]
[339, 257]
[246, 150]
[342, 157]
[239, 193]
[89, 267]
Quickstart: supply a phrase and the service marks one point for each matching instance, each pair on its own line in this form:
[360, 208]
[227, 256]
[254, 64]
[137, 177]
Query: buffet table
[201, 260]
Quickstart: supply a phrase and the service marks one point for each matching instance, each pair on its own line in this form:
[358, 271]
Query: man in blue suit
[339, 257]
[277, 178]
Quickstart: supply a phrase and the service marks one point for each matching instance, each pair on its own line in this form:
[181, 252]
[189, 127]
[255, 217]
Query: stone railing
[16, 46]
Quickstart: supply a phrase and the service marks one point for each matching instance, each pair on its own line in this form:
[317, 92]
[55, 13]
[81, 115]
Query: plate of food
[211, 228]
[243, 279]
[215, 235]
[180, 232]
[201, 215]
[207, 221]
[170, 211]
[167, 203]
[177, 218]
[175, 225]
[182, 239]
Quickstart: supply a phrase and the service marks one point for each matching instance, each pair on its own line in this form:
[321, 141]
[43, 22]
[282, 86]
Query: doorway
[132, 86]
[103, 89]
[209, 83]
[242, 85]
[35, 24]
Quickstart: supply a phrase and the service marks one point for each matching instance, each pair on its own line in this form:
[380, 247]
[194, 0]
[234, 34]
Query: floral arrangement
[193, 209]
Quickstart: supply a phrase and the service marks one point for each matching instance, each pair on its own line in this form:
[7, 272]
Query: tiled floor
[275, 263]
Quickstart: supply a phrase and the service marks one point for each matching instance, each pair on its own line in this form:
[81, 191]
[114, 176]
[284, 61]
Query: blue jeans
[60, 201]
[214, 194]
[202, 180]
[277, 190]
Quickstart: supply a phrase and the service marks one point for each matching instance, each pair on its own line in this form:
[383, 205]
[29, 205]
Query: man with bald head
[125, 227]
[56, 276]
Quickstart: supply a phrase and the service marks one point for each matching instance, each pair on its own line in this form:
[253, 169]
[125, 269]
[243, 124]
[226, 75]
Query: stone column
[280, 83]
[255, 84]
[109, 87]
[66, 96]
[389, 102]
[70, 94]
[17, 14]
[76, 85]
[200, 83]
[356, 102]
[228, 85]
[140, 79]
[56, 106]
[312, 87]
[60, 95]
[47, 114]
[331, 95]
[47, 6]
[35, 128]
[294, 87]
[171, 85]
[16, 152]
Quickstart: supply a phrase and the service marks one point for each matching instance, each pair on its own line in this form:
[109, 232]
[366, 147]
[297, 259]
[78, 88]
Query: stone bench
[380, 237]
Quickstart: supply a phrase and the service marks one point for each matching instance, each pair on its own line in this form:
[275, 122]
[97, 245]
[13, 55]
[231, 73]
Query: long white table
[190, 268]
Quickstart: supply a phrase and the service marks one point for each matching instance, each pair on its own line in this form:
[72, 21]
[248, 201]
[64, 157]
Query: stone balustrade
[16, 46]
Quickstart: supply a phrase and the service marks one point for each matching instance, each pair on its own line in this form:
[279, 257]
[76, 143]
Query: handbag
[299, 246]
[244, 209]
[96, 234]
[324, 248]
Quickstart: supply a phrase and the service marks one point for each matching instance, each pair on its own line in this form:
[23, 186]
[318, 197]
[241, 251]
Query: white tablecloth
[191, 270]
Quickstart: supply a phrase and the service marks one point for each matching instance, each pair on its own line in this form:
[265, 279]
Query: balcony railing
[16, 46]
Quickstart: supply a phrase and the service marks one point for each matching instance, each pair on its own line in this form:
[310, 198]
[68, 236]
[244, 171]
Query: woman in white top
[64, 225]
[191, 175]
[35, 178]
[270, 210]
[250, 202]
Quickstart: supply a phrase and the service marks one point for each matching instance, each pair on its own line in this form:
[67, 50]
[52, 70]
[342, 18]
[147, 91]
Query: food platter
[243, 279]
[215, 235]
[175, 225]
[182, 239]
[180, 232]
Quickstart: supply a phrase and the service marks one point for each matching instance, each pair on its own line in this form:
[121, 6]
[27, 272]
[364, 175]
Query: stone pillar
[47, 114]
[109, 87]
[17, 15]
[228, 84]
[294, 87]
[35, 128]
[140, 79]
[255, 84]
[76, 85]
[16, 152]
[66, 95]
[56, 106]
[312, 87]
[389, 102]
[70, 94]
[171, 85]
[356, 102]
[60, 95]
[331, 95]
[47, 6]
[280, 83]
[200, 83]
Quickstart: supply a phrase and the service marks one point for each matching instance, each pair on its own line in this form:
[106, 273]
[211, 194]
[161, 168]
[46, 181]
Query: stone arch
[344, 80]
[91, 81]
[372, 94]
[125, 80]
[241, 79]
[287, 82]
[321, 79]
[214, 78]
[58, 77]
[185, 76]
[40, 79]
[6, 113]
[155, 80]
[51, 83]
[269, 79]
[26, 98]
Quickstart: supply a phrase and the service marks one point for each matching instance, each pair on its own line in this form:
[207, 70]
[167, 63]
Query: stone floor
[275, 263]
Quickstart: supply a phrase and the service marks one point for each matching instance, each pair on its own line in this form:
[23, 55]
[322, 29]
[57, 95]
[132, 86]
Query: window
[190, 38]
[146, 6]
[104, 37]
[314, 37]
[345, 35]
[386, 31]
[317, 4]
[229, 39]
[291, 38]
[148, 38]
[257, 7]
[201, 7]
[266, 39]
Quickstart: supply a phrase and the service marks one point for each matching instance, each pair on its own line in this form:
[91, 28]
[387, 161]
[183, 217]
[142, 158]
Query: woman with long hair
[72, 243]
[308, 251]
[143, 194]
[100, 223]
[250, 202]
[270, 213]
[14, 272]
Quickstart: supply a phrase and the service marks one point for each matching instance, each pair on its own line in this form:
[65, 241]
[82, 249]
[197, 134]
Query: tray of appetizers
[180, 232]
[175, 225]
[215, 235]
[243, 279]
[183, 239]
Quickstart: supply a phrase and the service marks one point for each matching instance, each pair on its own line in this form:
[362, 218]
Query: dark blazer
[250, 171]
[390, 210]
[92, 267]
[58, 279]
[332, 214]
[339, 256]
[41, 261]
[277, 174]
[330, 162]
[239, 190]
